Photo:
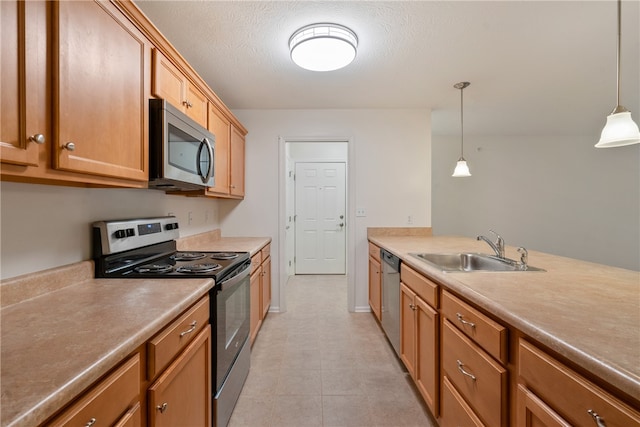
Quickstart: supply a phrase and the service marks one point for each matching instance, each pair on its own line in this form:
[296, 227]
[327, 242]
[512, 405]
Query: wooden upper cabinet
[237, 163]
[220, 126]
[22, 33]
[100, 91]
[171, 84]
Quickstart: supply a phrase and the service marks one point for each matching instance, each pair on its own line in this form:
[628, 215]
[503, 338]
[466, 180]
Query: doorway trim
[350, 210]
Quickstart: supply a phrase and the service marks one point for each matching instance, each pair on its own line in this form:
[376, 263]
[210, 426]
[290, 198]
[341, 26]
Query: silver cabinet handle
[162, 408]
[596, 418]
[191, 329]
[412, 307]
[465, 322]
[463, 371]
[69, 146]
[187, 104]
[38, 138]
[91, 422]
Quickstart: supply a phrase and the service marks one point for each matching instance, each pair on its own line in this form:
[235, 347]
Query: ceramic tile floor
[319, 365]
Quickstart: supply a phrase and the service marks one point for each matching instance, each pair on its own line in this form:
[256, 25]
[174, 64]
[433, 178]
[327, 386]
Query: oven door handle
[235, 279]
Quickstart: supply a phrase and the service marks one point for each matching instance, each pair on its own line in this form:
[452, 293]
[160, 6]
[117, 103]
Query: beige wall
[46, 226]
[555, 194]
[388, 174]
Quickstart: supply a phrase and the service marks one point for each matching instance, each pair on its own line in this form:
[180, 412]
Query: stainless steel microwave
[181, 151]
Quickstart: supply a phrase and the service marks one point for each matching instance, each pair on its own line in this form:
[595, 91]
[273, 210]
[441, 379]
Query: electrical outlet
[206, 216]
[190, 217]
[409, 219]
[360, 212]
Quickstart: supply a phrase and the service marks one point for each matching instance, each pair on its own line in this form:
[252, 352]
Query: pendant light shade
[323, 47]
[462, 169]
[620, 128]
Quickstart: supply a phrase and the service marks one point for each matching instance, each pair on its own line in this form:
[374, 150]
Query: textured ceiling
[534, 66]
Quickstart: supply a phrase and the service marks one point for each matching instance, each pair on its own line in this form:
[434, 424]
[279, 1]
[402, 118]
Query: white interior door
[320, 221]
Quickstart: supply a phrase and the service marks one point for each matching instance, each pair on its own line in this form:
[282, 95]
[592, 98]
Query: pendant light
[461, 169]
[620, 128]
[323, 47]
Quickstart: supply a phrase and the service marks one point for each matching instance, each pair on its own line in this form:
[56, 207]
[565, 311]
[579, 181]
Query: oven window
[236, 312]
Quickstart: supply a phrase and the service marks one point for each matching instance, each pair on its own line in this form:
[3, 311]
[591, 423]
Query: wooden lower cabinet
[109, 401]
[455, 411]
[533, 412]
[182, 393]
[375, 281]
[551, 394]
[480, 379]
[132, 418]
[260, 299]
[255, 319]
[265, 287]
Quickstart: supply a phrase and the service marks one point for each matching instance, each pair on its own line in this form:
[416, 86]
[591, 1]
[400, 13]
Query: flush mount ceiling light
[620, 128]
[323, 47]
[462, 169]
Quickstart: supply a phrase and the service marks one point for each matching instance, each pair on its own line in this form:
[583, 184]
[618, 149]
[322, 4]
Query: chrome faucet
[498, 246]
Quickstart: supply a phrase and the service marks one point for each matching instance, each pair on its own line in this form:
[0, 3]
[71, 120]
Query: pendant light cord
[461, 125]
[618, 53]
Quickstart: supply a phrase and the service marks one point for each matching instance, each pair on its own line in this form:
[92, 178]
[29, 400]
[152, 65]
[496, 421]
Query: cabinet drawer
[455, 411]
[423, 287]
[108, 400]
[265, 252]
[569, 394]
[478, 378]
[164, 347]
[133, 418]
[256, 260]
[490, 335]
[374, 251]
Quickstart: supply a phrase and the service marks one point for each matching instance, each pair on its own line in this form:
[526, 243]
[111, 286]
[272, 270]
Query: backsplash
[46, 226]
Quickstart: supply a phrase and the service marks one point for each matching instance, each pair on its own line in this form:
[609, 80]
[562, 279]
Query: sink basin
[470, 262]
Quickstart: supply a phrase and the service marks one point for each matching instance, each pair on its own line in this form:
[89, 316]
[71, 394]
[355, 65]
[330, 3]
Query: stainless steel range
[146, 248]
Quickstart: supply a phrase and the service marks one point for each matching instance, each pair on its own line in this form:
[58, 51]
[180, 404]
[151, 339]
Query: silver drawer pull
[91, 422]
[162, 408]
[463, 372]
[598, 420]
[465, 322]
[191, 329]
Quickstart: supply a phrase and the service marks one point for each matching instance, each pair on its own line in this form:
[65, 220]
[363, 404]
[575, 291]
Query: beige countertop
[586, 312]
[62, 329]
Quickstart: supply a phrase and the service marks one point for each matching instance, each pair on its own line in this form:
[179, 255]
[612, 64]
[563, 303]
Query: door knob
[69, 146]
[38, 138]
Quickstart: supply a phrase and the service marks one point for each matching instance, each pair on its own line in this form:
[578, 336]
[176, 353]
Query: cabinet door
[532, 412]
[100, 91]
[254, 315]
[408, 329]
[197, 105]
[182, 394]
[265, 284]
[220, 126]
[375, 287]
[133, 418]
[168, 82]
[427, 374]
[22, 91]
[237, 163]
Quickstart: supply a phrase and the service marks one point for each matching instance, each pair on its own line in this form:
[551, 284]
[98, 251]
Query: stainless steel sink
[471, 262]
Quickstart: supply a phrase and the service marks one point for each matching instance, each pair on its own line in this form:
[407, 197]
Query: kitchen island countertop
[588, 313]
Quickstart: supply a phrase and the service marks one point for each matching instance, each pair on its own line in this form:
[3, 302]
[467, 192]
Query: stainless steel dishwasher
[390, 317]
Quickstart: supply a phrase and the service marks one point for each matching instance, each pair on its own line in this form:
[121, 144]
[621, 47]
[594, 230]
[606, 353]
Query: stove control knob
[172, 226]
[130, 232]
[120, 234]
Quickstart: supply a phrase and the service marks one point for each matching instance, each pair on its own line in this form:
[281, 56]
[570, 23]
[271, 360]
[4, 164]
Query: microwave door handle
[211, 160]
[205, 143]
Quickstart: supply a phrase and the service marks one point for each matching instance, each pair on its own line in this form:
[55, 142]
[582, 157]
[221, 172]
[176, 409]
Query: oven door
[232, 322]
